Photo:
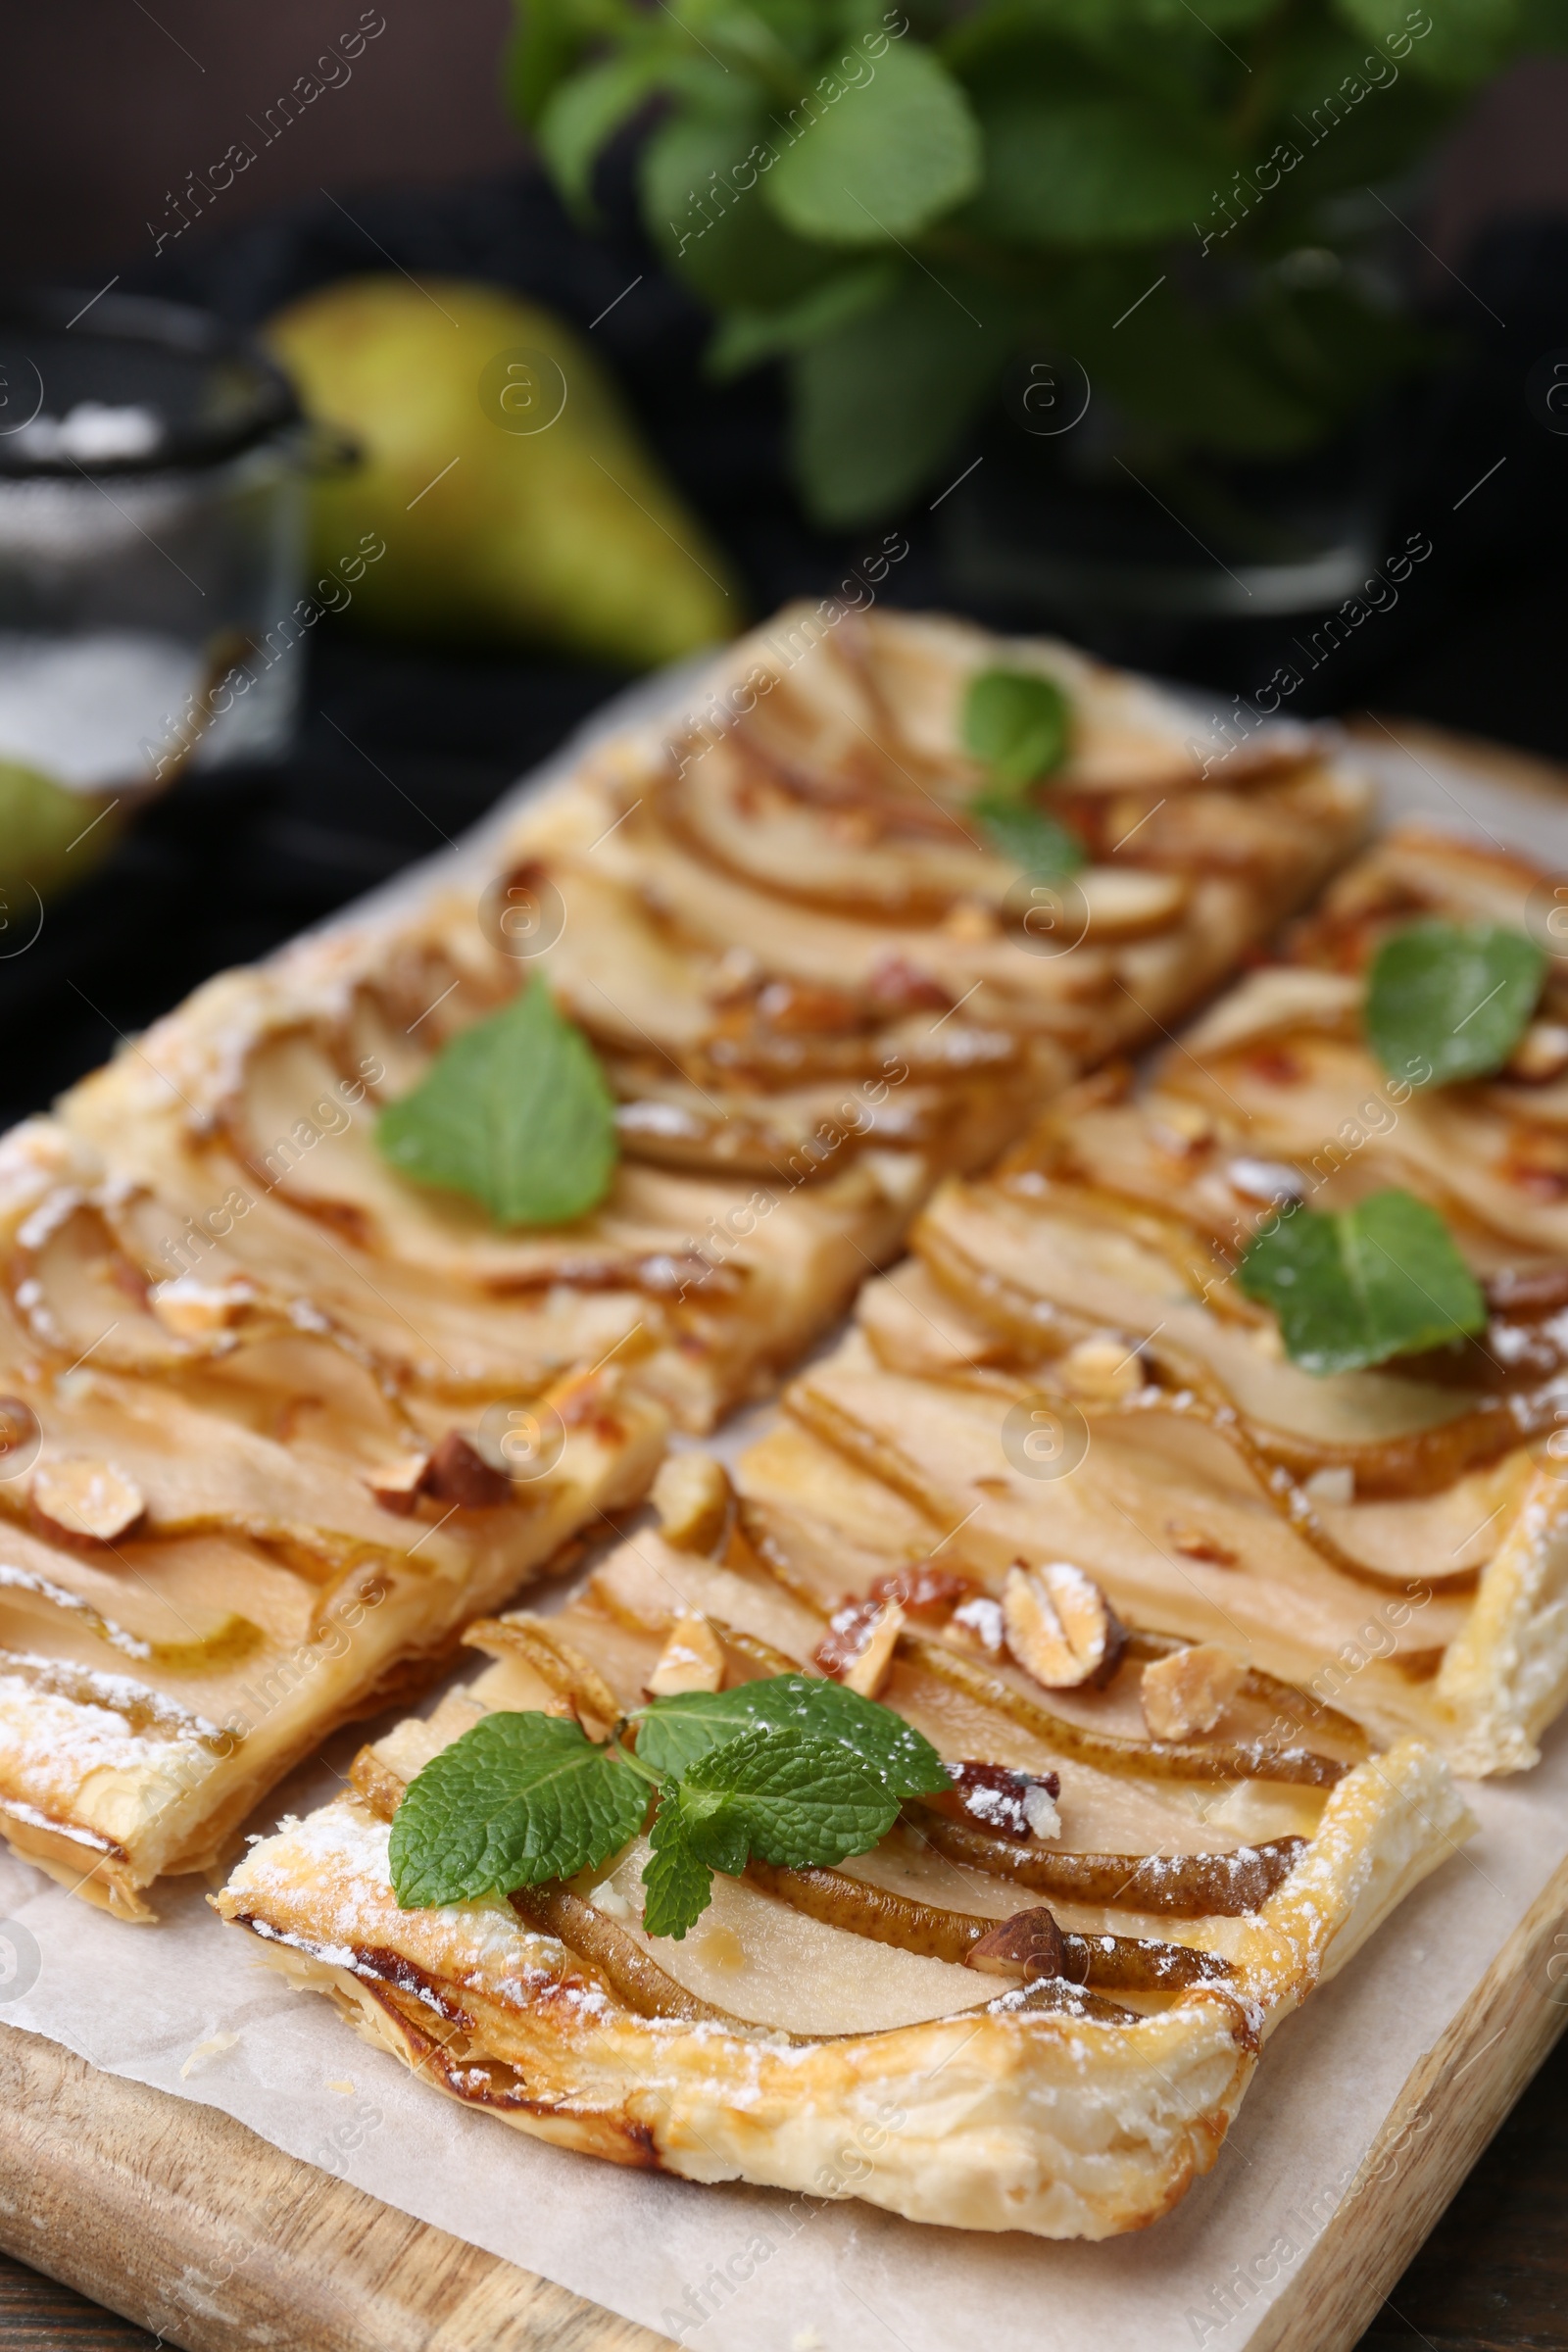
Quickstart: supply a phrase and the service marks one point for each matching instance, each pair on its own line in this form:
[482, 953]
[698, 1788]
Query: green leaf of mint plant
[519, 1799]
[1363, 1284]
[1179, 207]
[672, 1733]
[515, 1112]
[794, 1770]
[1017, 724]
[1451, 998]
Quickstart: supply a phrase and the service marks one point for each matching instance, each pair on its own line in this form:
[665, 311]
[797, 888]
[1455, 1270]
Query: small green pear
[501, 470]
[49, 839]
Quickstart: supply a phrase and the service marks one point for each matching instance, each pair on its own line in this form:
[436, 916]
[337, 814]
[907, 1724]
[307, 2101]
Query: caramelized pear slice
[1184, 1886]
[1108, 1751]
[1128, 1963]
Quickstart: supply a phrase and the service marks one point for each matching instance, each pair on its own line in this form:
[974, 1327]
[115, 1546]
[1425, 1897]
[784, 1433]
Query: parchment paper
[186, 2007]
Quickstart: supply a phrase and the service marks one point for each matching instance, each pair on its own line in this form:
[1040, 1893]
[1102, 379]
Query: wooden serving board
[180, 2218]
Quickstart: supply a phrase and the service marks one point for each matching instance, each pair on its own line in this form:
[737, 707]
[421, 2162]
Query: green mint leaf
[1026, 836]
[1067, 168]
[673, 1732]
[880, 400]
[1016, 722]
[519, 1799]
[870, 157]
[515, 1112]
[784, 1794]
[1453, 997]
[1356, 1287]
[679, 1885]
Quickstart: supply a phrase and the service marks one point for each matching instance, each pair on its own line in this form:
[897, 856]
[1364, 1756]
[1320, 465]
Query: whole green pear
[49, 838]
[501, 470]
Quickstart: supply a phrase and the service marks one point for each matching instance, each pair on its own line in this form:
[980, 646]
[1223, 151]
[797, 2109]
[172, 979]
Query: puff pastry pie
[1196, 1892]
[1393, 1539]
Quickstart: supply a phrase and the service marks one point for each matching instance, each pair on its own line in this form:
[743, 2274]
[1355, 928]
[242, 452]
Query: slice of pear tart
[224, 1532]
[247, 1130]
[1297, 1059]
[887, 840]
[1296, 1308]
[1038, 1967]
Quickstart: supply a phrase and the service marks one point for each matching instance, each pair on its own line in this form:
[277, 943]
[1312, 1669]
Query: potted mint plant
[924, 211]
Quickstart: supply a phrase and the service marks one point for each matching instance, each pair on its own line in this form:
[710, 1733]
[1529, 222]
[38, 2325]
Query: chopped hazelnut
[1190, 1690]
[970, 923]
[1060, 1626]
[398, 1484]
[1194, 1545]
[1181, 1130]
[922, 1591]
[458, 1473]
[1010, 1804]
[978, 1623]
[1264, 1181]
[805, 1007]
[1027, 1945]
[897, 984]
[691, 1496]
[857, 1647]
[198, 1310]
[85, 1500]
[690, 1660]
[1102, 1367]
[1541, 1053]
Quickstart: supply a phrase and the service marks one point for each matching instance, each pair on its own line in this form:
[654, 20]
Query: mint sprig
[1016, 724]
[515, 1112]
[793, 1770]
[1453, 999]
[1363, 1284]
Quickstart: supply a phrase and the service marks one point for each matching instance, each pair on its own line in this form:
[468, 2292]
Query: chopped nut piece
[691, 1496]
[198, 1310]
[1264, 1181]
[1027, 1945]
[457, 1472]
[1541, 1053]
[1105, 1367]
[979, 1625]
[1190, 1690]
[1060, 1626]
[1333, 1485]
[857, 1647]
[807, 1007]
[398, 1484]
[690, 1660]
[1009, 1803]
[923, 1592]
[1194, 1545]
[85, 1500]
[898, 983]
[969, 921]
